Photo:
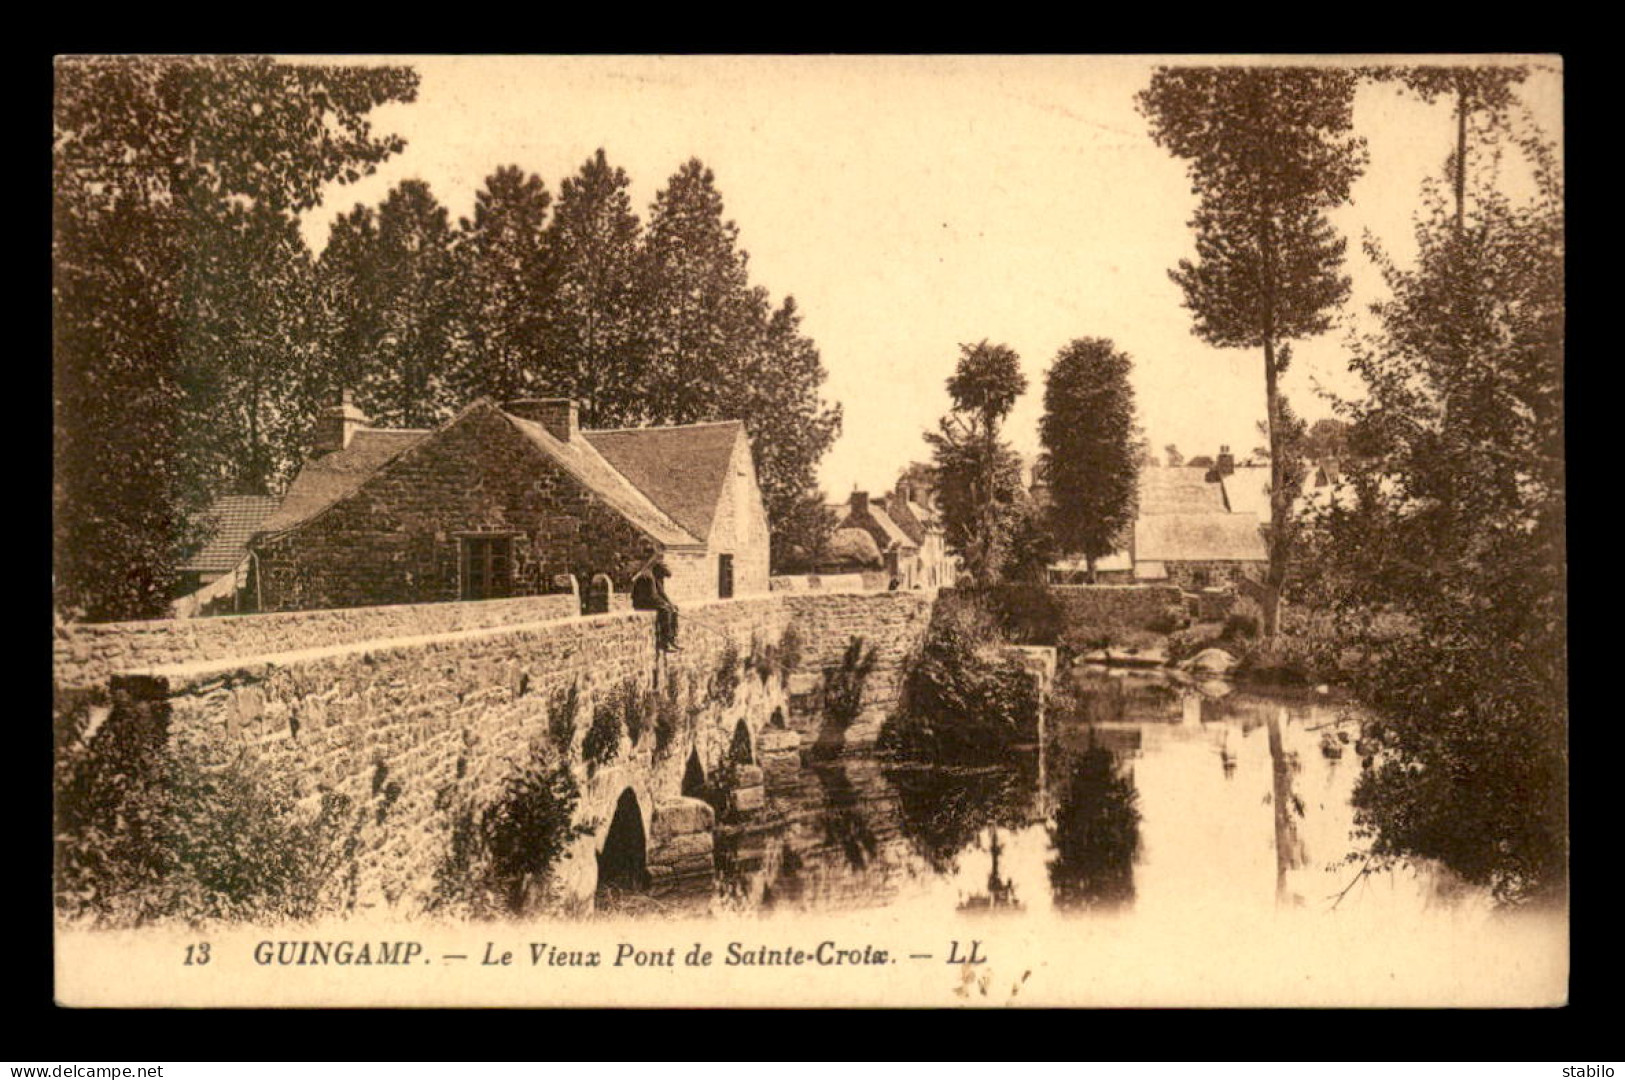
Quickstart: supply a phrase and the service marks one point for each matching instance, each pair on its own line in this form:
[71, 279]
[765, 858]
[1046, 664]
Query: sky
[915, 204]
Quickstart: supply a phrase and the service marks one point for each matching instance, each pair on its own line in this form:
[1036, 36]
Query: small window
[725, 576]
[487, 567]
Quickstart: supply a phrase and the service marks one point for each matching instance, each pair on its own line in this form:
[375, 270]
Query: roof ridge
[660, 427]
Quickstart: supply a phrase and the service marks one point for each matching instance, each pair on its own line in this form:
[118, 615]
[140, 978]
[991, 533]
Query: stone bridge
[419, 713]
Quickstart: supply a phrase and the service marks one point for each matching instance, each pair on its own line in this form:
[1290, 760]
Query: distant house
[912, 506]
[1195, 551]
[1195, 526]
[906, 530]
[211, 578]
[511, 500]
[899, 552]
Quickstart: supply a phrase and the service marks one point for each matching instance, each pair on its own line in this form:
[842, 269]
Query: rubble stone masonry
[411, 712]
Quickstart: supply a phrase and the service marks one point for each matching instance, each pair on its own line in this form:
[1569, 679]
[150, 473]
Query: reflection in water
[1001, 891]
[1154, 800]
[1096, 834]
[943, 810]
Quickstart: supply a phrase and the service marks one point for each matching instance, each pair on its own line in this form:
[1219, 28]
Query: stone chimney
[860, 502]
[905, 491]
[560, 416]
[337, 425]
[1226, 463]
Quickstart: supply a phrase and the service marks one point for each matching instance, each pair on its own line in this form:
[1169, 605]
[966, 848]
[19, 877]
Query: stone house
[912, 508]
[512, 500]
[898, 552]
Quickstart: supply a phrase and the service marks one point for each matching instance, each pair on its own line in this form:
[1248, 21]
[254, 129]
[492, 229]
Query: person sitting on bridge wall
[649, 594]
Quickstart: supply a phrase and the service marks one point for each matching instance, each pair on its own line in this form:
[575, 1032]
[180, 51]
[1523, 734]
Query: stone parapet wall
[1115, 606]
[86, 654]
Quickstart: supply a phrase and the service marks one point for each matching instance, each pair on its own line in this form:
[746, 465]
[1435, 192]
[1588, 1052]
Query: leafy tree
[411, 279]
[506, 280]
[248, 344]
[801, 535]
[1270, 153]
[1172, 457]
[699, 309]
[717, 349]
[1095, 834]
[593, 353]
[977, 476]
[1479, 92]
[1327, 438]
[1088, 431]
[154, 160]
[1457, 531]
[790, 425]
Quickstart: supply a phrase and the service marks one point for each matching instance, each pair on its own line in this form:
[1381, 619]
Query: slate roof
[894, 532]
[1196, 537]
[1178, 490]
[682, 470]
[235, 518]
[582, 459]
[331, 477]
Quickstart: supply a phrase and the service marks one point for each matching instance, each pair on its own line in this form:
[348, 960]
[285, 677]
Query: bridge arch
[623, 861]
[694, 781]
[742, 748]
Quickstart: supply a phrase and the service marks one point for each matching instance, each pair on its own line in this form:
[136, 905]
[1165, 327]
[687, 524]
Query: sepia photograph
[815, 531]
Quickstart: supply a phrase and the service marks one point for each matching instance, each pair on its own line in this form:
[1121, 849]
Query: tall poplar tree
[699, 309]
[1270, 152]
[408, 276]
[505, 284]
[1089, 434]
[592, 350]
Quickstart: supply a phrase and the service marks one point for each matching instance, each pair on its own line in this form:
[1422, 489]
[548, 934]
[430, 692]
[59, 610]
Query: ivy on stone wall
[562, 708]
[603, 739]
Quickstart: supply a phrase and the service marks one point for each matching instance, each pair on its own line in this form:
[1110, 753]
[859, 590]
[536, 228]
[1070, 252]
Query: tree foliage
[976, 475]
[159, 166]
[593, 353]
[1457, 526]
[505, 279]
[1089, 434]
[1270, 151]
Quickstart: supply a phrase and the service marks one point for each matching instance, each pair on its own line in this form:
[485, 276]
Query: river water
[1148, 799]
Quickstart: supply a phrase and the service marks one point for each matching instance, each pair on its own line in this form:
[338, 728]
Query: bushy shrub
[725, 680]
[964, 702]
[174, 838]
[789, 652]
[1168, 621]
[603, 739]
[637, 709]
[843, 686]
[1239, 625]
[502, 855]
[668, 715]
